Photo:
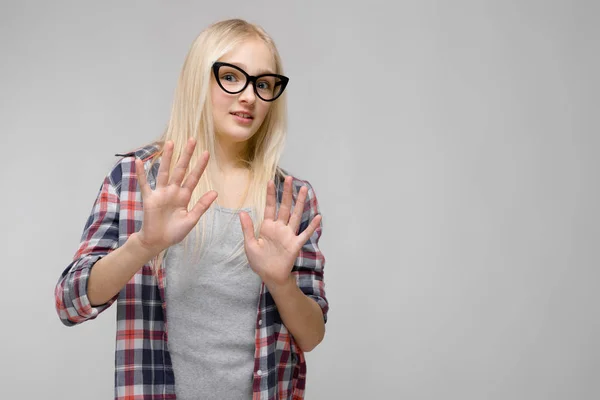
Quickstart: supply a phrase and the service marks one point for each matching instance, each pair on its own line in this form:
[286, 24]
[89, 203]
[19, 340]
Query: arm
[287, 258]
[301, 315]
[111, 273]
[99, 238]
[302, 302]
[83, 292]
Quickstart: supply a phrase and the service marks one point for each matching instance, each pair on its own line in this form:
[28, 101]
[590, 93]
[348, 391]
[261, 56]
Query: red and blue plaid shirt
[143, 369]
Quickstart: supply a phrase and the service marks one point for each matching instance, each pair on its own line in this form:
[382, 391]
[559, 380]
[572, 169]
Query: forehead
[252, 55]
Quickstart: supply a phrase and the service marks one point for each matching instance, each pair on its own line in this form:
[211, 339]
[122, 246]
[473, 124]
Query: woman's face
[237, 117]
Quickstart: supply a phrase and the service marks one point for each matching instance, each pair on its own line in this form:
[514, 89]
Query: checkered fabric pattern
[143, 368]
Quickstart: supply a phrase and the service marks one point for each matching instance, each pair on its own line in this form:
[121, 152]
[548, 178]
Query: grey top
[212, 303]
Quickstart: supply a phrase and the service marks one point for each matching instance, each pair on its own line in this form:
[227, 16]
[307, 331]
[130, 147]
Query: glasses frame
[249, 79]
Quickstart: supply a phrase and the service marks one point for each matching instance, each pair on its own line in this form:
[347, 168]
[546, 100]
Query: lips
[243, 114]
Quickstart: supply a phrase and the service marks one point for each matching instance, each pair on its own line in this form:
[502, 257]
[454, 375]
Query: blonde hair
[191, 116]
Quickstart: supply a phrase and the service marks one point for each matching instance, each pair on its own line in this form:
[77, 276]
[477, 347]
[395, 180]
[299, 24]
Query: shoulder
[143, 153]
[297, 184]
[124, 167]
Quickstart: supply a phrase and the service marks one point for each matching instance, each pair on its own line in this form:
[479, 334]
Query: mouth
[243, 115]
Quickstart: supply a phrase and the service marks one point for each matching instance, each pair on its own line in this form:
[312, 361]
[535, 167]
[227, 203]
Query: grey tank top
[211, 305]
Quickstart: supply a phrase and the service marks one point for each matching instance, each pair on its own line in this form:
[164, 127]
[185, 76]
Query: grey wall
[452, 145]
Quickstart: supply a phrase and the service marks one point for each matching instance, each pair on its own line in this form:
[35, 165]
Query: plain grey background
[453, 147]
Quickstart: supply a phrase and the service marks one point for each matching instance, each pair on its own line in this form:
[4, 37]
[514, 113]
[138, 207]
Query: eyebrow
[244, 67]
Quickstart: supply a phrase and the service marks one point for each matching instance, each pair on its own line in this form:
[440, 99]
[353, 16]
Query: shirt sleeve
[310, 263]
[100, 236]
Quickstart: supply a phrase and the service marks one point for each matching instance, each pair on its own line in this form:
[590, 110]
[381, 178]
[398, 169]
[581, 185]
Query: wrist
[285, 286]
[140, 247]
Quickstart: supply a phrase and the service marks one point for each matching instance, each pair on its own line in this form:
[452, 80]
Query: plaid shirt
[143, 369]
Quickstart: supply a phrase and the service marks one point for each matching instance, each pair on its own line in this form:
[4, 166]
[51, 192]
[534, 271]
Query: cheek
[220, 101]
[262, 111]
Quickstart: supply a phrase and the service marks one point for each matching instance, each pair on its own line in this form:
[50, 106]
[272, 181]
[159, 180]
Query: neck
[233, 175]
[231, 155]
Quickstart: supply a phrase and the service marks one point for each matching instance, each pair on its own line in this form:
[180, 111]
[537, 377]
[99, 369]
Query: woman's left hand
[273, 253]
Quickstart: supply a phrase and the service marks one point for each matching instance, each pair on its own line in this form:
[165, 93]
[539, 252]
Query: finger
[163, 171]
[271, 205]
[202, 205]
[183, 163]
[310, 229]
[296, 217]
[286, 201]
[141, 177]
[194, 176]
[247, 228]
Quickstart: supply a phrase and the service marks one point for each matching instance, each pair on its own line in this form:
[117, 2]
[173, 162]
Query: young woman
[215, 266]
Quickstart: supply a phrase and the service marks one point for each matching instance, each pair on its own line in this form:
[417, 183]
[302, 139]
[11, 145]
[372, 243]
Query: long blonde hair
[191, 116]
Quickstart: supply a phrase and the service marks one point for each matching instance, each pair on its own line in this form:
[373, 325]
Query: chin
[237, 134]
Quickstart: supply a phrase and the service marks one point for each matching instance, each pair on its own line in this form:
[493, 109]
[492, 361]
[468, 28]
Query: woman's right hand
[166, 219]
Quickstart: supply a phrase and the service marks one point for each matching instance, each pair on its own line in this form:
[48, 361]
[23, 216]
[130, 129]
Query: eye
[263, 85]
[229, 78]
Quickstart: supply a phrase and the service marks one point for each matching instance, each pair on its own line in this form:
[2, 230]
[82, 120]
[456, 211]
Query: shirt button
[259, 372]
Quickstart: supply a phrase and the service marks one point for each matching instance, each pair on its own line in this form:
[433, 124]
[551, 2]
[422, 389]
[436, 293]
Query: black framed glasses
[232, 79]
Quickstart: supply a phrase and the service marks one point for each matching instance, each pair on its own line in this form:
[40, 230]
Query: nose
[248, 95]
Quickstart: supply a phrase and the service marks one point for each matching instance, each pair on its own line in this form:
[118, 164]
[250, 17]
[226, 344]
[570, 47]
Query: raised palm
[273, 253]
[166, 219]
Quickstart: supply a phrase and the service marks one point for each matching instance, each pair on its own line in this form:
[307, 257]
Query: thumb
[247, 227]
